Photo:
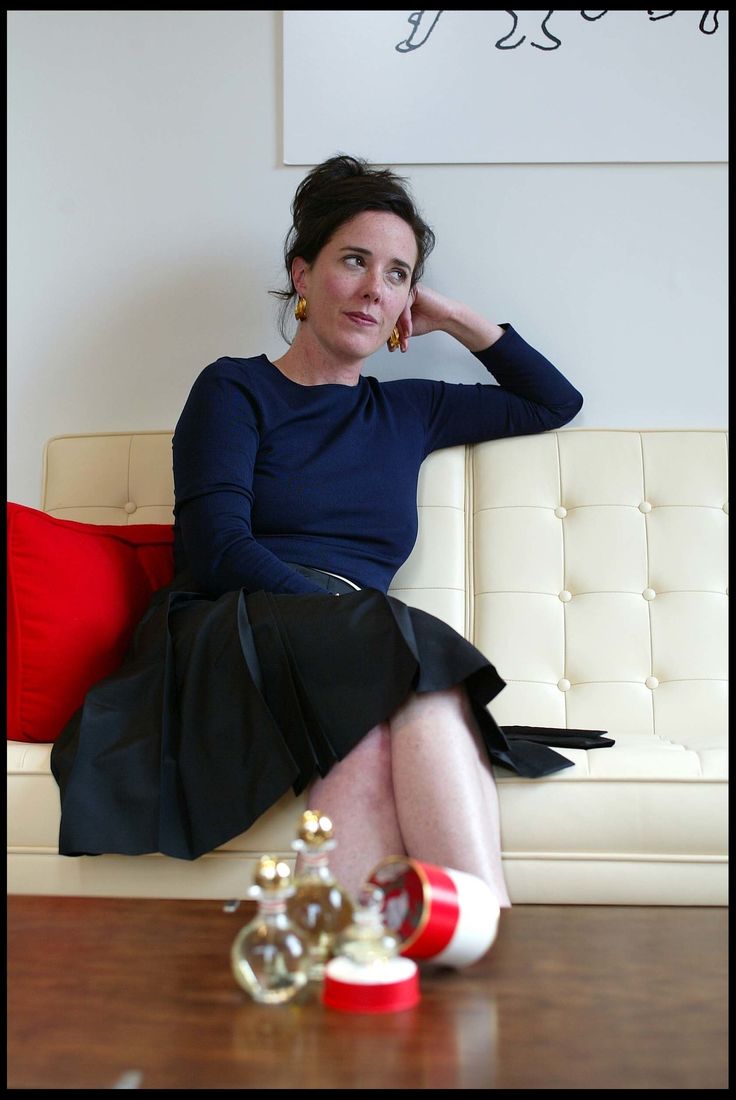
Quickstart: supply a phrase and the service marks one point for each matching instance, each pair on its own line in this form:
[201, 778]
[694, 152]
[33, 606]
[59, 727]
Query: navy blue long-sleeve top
[269, 471]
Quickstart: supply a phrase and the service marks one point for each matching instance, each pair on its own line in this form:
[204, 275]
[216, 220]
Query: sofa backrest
[109, 477]
[589, 565]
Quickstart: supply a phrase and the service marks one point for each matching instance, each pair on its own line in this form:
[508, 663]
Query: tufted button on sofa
[590, 566]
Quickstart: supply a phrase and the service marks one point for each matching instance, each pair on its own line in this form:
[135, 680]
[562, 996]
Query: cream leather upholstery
[590, 567]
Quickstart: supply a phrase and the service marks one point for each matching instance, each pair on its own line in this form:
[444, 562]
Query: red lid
[389, 986]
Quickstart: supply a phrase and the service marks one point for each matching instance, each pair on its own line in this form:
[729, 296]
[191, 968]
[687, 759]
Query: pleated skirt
[224, 704]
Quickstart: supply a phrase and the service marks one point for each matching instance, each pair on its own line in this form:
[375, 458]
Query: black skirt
[222, 705]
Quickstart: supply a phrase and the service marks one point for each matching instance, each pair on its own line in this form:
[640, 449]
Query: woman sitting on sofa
[295, 482]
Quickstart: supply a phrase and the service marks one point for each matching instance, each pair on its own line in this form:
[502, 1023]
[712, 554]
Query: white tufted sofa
[590, 566]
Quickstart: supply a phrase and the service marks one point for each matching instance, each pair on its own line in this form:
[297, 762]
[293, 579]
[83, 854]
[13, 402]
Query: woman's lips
[362, 319]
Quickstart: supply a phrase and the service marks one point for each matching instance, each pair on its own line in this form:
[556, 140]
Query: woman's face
[359, 284]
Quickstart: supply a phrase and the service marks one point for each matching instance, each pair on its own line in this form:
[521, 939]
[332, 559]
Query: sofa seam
[565, 701]
[469, 546]
[648, 577]
[127, 485]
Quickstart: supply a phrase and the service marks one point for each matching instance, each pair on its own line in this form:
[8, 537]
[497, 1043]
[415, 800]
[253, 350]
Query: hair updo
[331, 194]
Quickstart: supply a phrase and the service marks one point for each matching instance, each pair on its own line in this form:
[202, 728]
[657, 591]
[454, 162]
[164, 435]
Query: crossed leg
[418, 785]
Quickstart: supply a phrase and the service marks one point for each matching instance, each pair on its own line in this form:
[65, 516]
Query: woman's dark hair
[330, 195]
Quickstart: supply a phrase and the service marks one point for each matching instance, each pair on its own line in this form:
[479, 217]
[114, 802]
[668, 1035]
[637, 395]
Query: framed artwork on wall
[484, 87]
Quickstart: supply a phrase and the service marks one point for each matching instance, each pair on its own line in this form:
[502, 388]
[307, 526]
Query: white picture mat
[620, 88]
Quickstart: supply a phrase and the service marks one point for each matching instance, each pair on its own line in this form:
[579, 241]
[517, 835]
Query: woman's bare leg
[420, 785]
[358, 795]
[445, 794]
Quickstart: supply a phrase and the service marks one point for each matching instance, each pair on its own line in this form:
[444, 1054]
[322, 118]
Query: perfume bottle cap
[272, 874]
[366, 940]
[370, 900]
[315, 828]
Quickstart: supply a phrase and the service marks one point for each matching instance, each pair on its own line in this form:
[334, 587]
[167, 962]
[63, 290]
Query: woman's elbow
[569, 411]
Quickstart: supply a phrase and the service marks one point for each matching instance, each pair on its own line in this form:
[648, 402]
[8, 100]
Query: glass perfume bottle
[366, 972]
[320, 906]
[269, 955]
[366, 940]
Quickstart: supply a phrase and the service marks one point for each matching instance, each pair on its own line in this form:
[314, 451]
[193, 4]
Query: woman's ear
[299, 269]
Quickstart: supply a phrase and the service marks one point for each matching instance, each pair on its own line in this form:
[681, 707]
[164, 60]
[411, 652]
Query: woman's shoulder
[228, 383]
[406, 401]
[250, 376]
[236, 367]
[407, 390]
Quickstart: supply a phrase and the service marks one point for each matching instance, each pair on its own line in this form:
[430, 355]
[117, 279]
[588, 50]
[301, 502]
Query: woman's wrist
[471, 329]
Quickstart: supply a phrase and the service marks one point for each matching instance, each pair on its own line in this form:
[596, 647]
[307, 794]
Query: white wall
[148, 205]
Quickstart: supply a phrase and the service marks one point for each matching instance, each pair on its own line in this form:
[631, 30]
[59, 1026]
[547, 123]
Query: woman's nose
[372, 286]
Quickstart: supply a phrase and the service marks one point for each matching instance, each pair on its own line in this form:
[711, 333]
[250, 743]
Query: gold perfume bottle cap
[272, 873]
[315, 828]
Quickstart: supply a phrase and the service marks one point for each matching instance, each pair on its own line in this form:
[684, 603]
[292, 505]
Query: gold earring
[300, 309]
[394, 339]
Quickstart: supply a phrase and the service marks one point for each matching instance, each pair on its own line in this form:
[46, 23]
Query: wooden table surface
[138, 993]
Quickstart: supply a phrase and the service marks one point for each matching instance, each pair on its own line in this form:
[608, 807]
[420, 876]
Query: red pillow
[76, 592]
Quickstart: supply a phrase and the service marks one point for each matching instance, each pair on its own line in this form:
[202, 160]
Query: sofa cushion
[75, 593]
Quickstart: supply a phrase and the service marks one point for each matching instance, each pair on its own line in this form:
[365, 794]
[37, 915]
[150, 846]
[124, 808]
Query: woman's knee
[366, 768]
[432, 706]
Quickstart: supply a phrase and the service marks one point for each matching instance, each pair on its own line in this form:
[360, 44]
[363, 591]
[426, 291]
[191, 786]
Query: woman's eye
[397, 274]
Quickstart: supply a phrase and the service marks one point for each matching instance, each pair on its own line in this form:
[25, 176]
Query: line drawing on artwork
[529, 27]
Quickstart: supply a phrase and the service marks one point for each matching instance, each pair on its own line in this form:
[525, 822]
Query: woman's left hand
[425, 311]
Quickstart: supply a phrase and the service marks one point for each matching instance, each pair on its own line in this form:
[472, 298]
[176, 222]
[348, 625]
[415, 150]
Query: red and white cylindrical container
[441, 915]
